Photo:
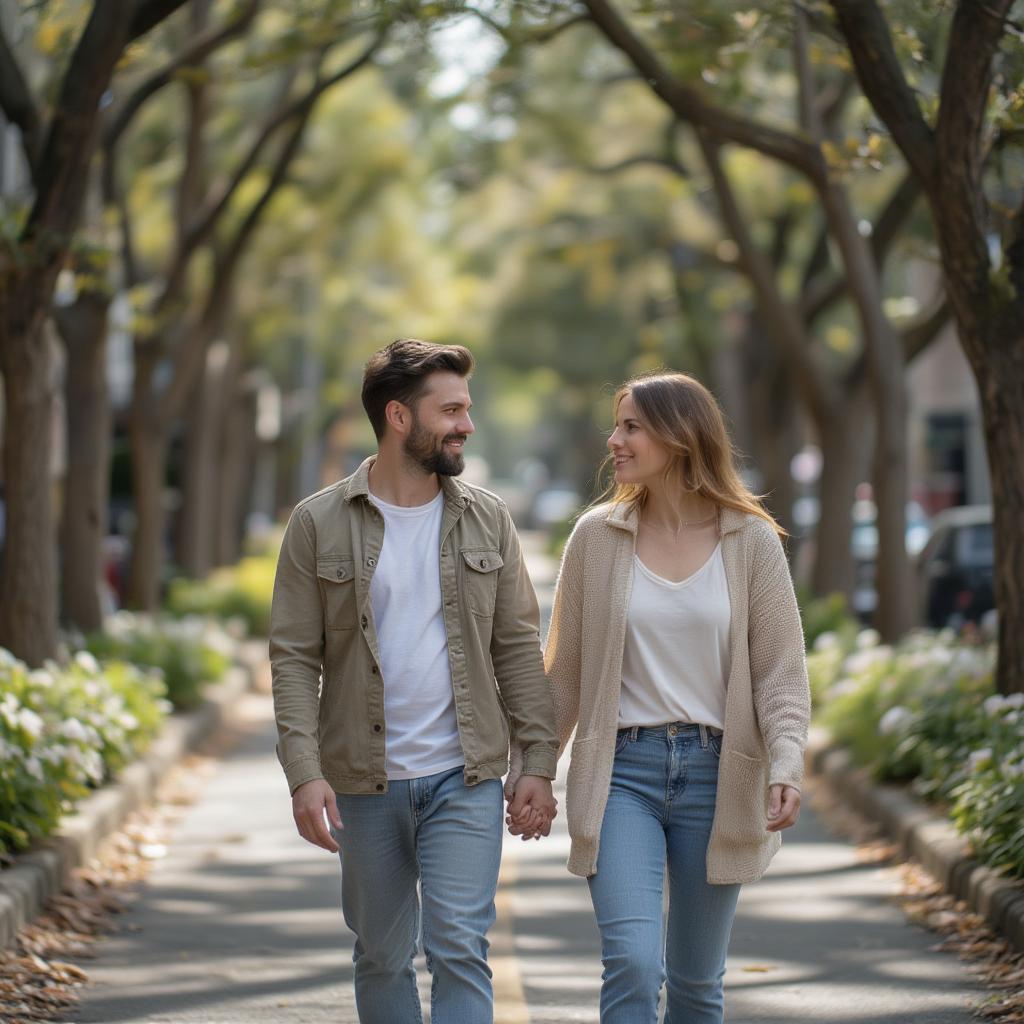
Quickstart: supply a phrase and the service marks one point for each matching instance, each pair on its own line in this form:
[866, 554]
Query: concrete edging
[41, 873]
[927, 837]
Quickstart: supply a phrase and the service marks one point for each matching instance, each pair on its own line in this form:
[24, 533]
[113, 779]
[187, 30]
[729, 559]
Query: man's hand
[309, 803]
[783, 807]
[531, 808]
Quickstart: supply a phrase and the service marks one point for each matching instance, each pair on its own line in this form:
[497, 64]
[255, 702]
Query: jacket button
[371, 562]
[341, 574]
[376, 727]
[471, 779]
[364, 622]
[483, 563]
[380, 787]
[373, 669]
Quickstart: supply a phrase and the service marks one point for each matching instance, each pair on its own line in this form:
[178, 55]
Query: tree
[949, 150]
[58, 146]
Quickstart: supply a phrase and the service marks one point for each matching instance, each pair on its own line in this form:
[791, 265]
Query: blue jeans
[446, 836]
[660, 808]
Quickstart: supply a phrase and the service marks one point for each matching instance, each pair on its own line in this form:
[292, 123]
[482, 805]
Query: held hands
[309, 804]
[530, 807]
[783, 807]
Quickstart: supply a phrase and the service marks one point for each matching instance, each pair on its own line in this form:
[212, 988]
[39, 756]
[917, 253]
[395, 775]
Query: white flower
[74, 730]
[826, 641]
[841, 687]
[868, 638]
[34, 767]
[41, 677]
[30, 722]
[993, 705]
[87, 660]
[895, 720]
[127, 721]
[1015, 700]
[978, 758]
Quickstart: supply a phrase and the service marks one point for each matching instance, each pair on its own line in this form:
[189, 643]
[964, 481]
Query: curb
[41, 873]
[921, 834]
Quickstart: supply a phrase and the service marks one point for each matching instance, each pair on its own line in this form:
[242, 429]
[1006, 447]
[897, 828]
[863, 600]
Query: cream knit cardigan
[767, 701]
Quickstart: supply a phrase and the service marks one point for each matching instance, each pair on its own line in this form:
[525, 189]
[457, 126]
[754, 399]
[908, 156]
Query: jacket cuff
[540, 759]
[304, 770]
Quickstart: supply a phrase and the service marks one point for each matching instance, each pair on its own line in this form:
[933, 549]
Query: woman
[676, 653]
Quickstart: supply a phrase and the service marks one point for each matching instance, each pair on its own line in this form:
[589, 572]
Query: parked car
[956, 566]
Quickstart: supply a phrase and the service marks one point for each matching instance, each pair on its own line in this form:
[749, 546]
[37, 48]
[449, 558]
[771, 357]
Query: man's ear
[398, 417]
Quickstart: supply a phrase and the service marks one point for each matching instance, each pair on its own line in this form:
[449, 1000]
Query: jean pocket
[715, 743]
[622, 740]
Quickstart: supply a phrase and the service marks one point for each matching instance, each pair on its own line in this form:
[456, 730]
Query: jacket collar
[358, 486]
[624, 517]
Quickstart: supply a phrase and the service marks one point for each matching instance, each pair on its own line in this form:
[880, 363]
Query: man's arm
[296, 652]
[517, 660]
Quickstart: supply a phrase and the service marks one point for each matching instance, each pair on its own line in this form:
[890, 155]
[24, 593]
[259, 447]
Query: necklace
[674, 531]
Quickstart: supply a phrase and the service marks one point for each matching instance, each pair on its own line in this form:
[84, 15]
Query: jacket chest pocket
[480, 579]
[337, 592]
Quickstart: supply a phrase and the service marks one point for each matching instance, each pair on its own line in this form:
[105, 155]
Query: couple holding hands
[407, 668]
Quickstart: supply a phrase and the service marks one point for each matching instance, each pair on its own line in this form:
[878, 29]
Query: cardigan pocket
[742, 804]
[581, 787]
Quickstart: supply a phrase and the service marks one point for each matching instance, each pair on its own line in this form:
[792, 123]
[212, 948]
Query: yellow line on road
[509, 998]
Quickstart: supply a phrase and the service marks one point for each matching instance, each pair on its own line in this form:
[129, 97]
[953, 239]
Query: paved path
[240, 923]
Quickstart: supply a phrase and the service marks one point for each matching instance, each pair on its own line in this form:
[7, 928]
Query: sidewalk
[241, 923]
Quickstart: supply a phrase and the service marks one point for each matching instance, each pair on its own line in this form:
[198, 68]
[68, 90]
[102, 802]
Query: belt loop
[633, 732]
[703, 736]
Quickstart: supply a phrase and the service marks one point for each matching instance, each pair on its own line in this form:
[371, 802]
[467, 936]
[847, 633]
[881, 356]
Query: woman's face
[638, 457]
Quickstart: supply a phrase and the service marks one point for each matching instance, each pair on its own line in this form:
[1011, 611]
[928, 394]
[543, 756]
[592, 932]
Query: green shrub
[188, 652]
[926, 713]
[827, 616]
[63, 731]
[242, 591]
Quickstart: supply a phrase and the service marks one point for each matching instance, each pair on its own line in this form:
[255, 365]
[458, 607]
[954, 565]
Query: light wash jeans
[659, 812]
[446, 836]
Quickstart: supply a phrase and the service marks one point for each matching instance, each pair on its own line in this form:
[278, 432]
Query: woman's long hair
[683, 416]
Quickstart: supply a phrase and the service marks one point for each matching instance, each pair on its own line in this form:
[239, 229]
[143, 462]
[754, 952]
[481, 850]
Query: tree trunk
[1001, 386]
[203, 463]
[239, 454]
[28, 582]
[150, 447]
[84, 518]
[893, 615]
[843, 457]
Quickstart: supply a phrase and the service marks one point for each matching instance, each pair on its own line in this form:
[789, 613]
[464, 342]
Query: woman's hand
[783, 807]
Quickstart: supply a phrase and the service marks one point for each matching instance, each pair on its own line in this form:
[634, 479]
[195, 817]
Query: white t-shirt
[405, 593]
[675, 664]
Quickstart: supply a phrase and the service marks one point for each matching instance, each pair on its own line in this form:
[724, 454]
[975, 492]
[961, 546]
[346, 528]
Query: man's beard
[428, 453]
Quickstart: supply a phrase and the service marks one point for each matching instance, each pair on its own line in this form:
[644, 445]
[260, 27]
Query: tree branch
[668, 163]
[820, 293]
[199, 47]
[780, 319]
[17, 103]
[881, 78]
[973, 39]
[917, 336]
[148, 14]
[689, 105]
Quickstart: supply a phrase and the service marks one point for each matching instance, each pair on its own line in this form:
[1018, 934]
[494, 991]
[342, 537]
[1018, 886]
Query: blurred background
[279, 190]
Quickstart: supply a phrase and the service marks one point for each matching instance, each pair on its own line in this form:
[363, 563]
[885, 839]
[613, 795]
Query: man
[406, 590]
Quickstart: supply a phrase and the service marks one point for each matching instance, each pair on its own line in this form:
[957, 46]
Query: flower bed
[64, 731]
[926, 713]
[241, 591]
[189, 652]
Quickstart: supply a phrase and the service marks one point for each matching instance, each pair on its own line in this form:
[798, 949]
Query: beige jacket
[321, 626]
[767, 703]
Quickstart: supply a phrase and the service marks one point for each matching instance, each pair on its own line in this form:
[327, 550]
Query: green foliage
[64, 731]
[926, 712]
[827, 615]
[189, 653]
[241, 592]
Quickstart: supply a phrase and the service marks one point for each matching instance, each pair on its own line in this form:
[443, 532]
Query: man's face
[440, 425]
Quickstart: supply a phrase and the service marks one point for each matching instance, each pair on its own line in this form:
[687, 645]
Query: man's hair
[399, 373]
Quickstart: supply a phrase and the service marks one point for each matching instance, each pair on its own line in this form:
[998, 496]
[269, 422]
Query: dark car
[956, 567]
